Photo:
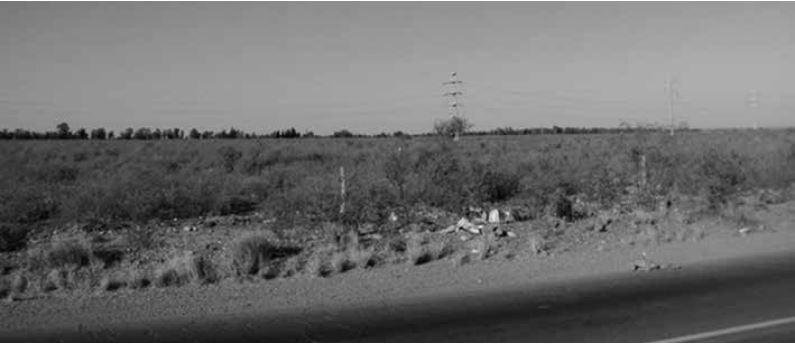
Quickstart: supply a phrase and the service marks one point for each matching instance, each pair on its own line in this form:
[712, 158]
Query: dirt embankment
[534, 256]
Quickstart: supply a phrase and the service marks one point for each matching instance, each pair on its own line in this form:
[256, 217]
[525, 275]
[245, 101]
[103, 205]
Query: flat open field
[82, 216]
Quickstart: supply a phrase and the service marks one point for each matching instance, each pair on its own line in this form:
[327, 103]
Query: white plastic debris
[393, 217]
[464, 224]
[494, 216]
[449, 229]
[745, 230]
[508, 216]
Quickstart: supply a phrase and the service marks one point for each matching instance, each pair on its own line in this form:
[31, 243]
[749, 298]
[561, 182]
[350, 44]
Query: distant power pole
[453, 91]
[752, 102]
[672, 93]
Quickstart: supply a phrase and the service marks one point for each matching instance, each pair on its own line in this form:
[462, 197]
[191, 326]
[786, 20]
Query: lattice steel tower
[453, 92]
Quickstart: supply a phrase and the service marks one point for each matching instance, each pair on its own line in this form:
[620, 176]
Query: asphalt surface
[688, 303]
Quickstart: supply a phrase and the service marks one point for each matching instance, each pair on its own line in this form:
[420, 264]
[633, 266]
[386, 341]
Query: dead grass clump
[5, 288]
[538, 245]
[422, 249]
[12, 238]
[68, 253]
[19, 284]
[341, 262]
[141, 239]
[319, 264]
[416, 249]
[56, 279]
[364, 258]
[256, 252]
[111, 283]
[185, 268]
[484, 247]
[139, 280]
[291, 267]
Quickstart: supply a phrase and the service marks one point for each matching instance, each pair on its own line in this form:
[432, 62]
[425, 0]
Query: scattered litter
[189, 228]
[393, 217]
[511, 234]
[494, 216]
[744, 231]
[449, 229]
[464, 224]
[508, 216]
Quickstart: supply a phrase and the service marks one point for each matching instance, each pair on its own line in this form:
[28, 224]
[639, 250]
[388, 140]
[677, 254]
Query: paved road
[739, 300]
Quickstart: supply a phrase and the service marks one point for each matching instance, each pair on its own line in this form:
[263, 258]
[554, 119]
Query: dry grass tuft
[421, 249]
[417, 250]
[364, 258]
[139, 279]
[484, 247]
[112, 283]
[19, 284]
[538, 245]
[319, 263]
[5, 288]
[255, 252]
[73, 252]
[56, 279]
[341, 262]
[185, 268]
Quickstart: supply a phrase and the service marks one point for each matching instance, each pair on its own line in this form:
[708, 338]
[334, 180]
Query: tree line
[63, 132]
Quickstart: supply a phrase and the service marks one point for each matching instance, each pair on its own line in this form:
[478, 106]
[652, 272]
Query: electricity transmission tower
[453, 92]
[672, 93]
[752, 102]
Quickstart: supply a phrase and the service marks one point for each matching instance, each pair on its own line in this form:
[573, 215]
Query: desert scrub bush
[112, 283]
[229, 157]
[256, 252]
[5, 287]
[68, 252]
[398, 169]
[12, 237]
[139, 279]
[319, 263]
[56, 279]
[421, 249]
[140, 239]
[496, 185]
[185, 268]
[721, 175]
[14, 287]
[484, 247]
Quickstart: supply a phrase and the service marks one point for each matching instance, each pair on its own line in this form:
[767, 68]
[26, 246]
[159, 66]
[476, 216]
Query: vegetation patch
[255, 252]
[68, 253]
[185, 268]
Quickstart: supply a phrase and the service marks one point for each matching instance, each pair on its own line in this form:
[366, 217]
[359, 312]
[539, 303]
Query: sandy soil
[401, 282]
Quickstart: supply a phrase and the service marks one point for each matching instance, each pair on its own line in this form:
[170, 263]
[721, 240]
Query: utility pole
[453, 91]
[752, 102]
[672, 93]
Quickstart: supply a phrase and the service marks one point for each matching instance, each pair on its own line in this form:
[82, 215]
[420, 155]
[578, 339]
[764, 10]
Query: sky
[374, 67]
